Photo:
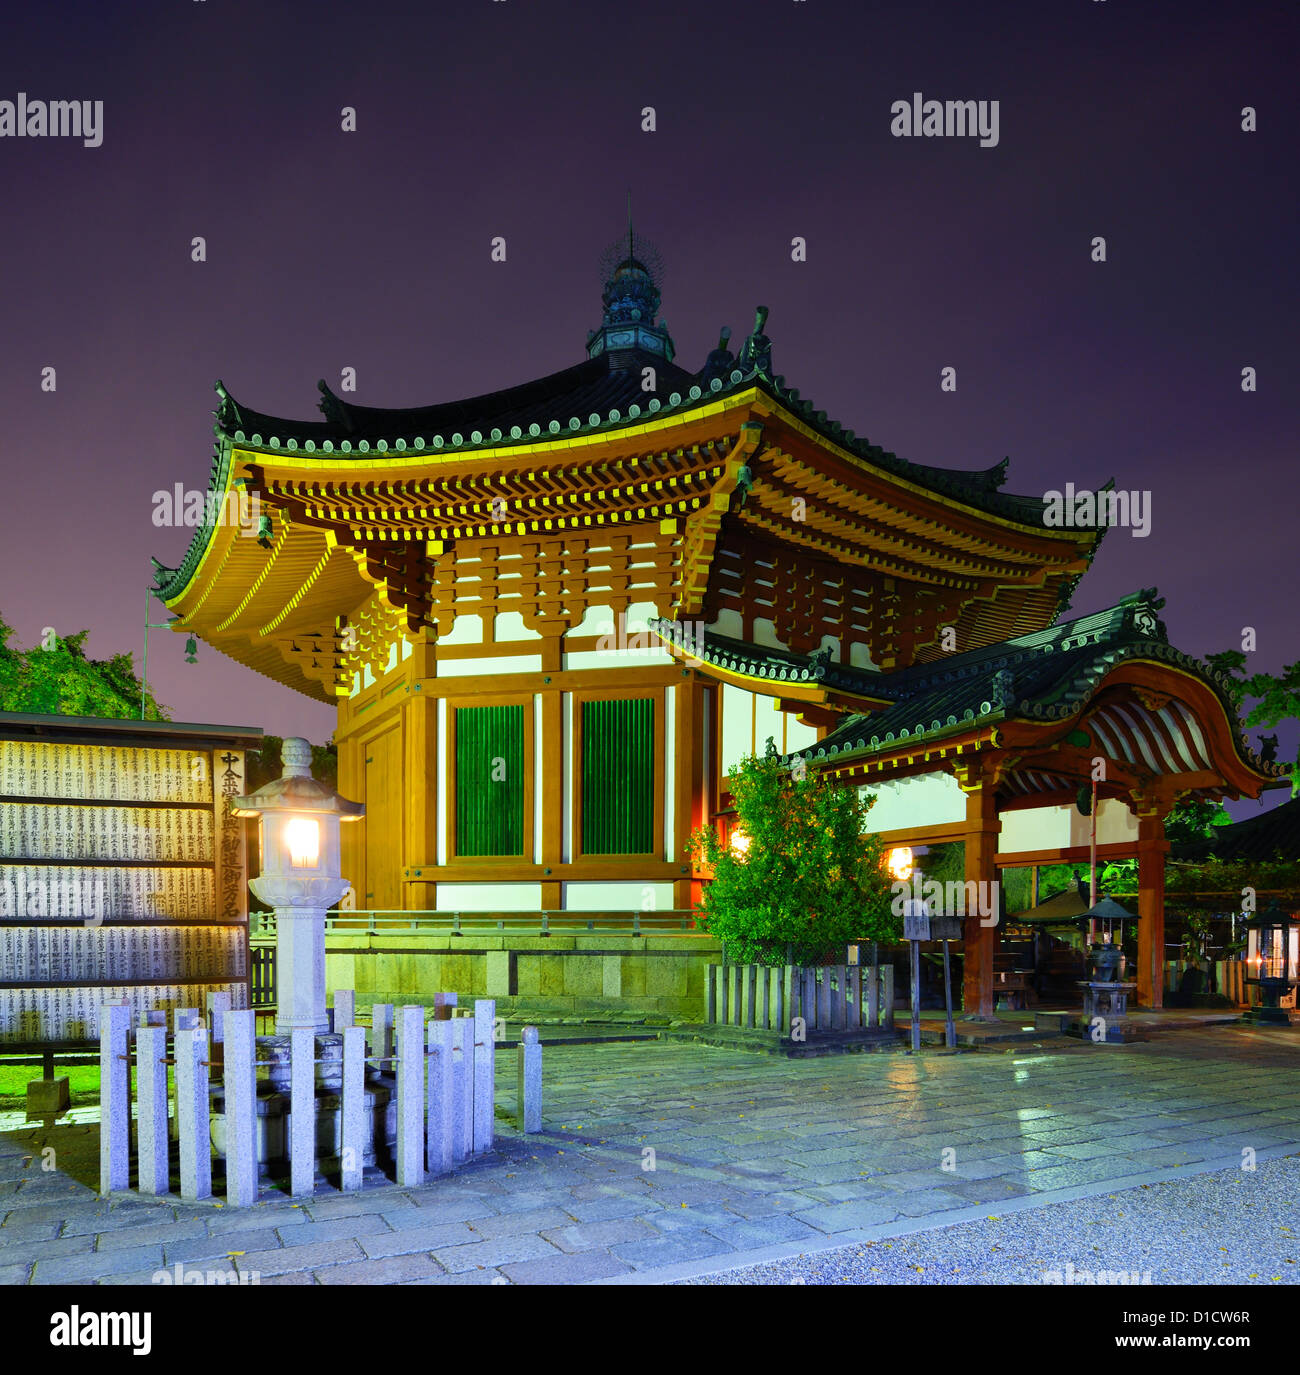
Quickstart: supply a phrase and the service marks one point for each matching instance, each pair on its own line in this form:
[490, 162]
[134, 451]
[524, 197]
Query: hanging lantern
[191, 650]
[899, 863]
[1272, 958]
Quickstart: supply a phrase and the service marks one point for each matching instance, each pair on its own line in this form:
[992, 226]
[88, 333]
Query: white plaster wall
[737, 725]
[489, 897]
[475, 668]
[509, 625]
[1054, 828]
[618, 897]
[928, 799]
[465, 630]
[798, 736]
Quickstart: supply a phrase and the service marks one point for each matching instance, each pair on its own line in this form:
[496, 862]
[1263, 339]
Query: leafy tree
[264, 763]
[808, 881]
[1278, 695]
[59, 680]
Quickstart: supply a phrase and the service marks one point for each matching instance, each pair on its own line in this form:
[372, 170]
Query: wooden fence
[442, 1077]
[825, 998]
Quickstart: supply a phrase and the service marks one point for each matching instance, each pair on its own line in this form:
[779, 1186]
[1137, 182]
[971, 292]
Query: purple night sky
[522, 118]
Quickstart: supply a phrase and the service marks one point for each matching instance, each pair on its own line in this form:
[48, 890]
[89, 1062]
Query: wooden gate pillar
[1152, 848]
[981, 844]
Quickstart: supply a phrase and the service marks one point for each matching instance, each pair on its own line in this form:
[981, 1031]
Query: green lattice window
[618, 777]
[490, 780]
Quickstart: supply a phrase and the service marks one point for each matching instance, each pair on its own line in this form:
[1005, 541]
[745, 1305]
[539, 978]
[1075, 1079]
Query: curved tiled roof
[1048, 675]
[591, 397]
[601, 394]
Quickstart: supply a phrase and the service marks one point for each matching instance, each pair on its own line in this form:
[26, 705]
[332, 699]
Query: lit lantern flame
[302, 836]
[898, 863]
[739, 844]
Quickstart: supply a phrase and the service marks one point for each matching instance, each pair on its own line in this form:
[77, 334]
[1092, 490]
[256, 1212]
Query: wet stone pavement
[661, 1160]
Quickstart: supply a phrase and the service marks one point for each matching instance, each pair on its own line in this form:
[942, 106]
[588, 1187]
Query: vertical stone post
[855, 1019]
[185, 1018]
[353, 1135]
[711, 993]
[485, 1012]
[1152, 848]
[114, 1098]
[442, 1100]
[463, 1060]
[381, 1034]
[410, 1096]
[529, 1082]
[345, 1008]
[240, 1070]
[302, 1111]
[193, 1115]
[981, 841]
[218, 1003]
[151, 1108]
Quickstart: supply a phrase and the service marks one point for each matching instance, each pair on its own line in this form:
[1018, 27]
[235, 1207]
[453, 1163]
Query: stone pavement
[660, 1160]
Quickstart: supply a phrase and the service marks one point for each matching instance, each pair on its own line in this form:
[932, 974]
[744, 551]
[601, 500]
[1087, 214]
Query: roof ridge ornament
[757, 350]
[333, 409]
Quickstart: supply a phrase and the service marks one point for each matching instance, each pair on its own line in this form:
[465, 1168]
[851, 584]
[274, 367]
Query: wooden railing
[362, 920]
[801, 998]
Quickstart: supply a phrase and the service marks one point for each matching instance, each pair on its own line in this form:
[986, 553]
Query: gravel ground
[1230, 1227]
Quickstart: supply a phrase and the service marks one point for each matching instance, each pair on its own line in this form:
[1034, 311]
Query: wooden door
[383, 820]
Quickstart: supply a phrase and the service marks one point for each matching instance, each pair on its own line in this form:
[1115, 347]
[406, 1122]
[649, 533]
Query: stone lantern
[1272, 938]
[300, 879]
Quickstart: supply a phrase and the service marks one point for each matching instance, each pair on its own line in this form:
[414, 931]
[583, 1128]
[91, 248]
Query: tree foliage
[809, 881]
[1278, 695]
[264, 763]
[59, 680]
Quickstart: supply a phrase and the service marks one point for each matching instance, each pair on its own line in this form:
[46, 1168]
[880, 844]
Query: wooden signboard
[122, 874]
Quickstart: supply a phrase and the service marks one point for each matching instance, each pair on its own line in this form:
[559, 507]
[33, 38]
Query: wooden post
[1152, 848]
[982, 827]
[873, 996]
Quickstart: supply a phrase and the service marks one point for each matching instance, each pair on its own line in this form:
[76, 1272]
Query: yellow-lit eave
[638, 436]
[792, 689]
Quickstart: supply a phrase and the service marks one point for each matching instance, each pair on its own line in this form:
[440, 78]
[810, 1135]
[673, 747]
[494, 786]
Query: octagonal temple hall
[555, 616]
